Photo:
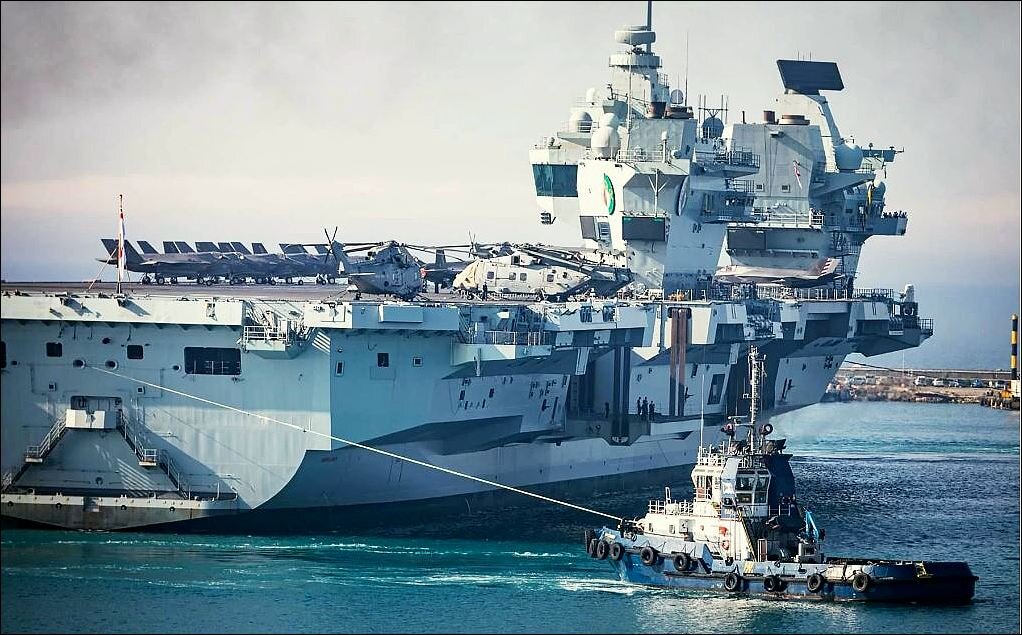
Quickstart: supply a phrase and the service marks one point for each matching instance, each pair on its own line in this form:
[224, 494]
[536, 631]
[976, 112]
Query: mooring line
[361, 446]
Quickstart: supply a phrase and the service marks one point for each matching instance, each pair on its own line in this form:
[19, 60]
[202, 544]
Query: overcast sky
[413, 121]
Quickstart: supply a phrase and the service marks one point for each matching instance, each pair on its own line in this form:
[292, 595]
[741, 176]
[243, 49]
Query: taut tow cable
[361, 446]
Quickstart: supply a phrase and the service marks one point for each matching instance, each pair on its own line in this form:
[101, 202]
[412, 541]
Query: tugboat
[745, 533]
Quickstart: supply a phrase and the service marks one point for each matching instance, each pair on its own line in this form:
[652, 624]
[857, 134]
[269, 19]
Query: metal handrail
[44, 447]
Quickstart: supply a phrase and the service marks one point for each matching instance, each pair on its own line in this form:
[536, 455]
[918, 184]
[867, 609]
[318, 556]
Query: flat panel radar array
[809, 78]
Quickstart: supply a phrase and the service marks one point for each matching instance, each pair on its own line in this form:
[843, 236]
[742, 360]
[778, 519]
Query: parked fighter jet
[161, 268]
[821, 273]
[541, 273]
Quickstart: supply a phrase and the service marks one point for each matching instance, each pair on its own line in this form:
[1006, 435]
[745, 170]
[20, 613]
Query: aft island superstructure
[184, 406]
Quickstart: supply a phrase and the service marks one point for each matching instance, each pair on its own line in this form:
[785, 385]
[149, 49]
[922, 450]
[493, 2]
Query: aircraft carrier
[189, 407]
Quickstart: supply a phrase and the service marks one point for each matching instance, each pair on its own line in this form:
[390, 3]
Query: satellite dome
[848, 157]
[580, 121]
[606, 140]
[713, 127]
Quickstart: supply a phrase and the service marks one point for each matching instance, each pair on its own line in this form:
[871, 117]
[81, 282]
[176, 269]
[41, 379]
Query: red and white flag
[120, 244]
[798, 174]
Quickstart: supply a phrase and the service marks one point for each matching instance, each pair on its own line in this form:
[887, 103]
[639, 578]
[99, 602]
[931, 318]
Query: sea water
[914, 481]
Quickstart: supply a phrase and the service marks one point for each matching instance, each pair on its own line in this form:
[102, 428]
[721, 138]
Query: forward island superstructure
[185, 406]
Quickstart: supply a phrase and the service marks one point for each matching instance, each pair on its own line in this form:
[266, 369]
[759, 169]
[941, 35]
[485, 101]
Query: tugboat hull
[835, 579]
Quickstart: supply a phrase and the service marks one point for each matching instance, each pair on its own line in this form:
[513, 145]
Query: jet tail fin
[169, 247]
[147, 248]
[258, 248]
[131, 256]
[441, 259]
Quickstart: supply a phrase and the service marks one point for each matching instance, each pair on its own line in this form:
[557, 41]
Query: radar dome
[635, 35]
[591, 95]
[713, 127]
[580, 121]
[848, 157]
[606, 140]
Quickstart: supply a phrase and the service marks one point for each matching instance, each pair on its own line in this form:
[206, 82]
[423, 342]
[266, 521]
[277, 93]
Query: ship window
[3, 354]
[521, 277]
[135, 351]
[671, 527]
[555, 180]
[461, 397]
[54, 349]
[744, 498]
[383, 360]
[761, 497]
[759, 187]
[695, 369]
[339, 369]
[543, 406]
[416, 361]
[491, 393]
[549, 277]
[716, 388]
[785, 188]
[489, 275]
[212, 361]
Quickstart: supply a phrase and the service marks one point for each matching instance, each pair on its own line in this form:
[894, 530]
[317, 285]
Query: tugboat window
[212, 361]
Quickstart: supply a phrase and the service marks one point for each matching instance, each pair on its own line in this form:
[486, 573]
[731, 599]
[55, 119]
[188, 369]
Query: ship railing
[515, 338]
[268, 334]
[8, 480]
[580, 127]
[671, 508]
[639, 154]
[735, 156]
[791, 218]
[36, 453]
[926, 326]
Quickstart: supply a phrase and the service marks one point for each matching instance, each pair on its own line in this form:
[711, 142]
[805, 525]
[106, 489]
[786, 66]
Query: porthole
[171, 508]
[175, 367]
[124, 508]
[111, 364]
[106, 340]
[78, 363]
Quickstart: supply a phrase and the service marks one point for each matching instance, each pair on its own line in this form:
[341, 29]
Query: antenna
[649, 24]
[120, 242]
[686, 67]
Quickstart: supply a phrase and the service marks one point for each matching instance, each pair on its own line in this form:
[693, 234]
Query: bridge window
[54, 349]
[339, 369]
[716, 389]
[212, 361]
[555, 180]
[383, 360]
[135, 351]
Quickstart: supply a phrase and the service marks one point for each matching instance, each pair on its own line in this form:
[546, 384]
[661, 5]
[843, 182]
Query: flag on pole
[120, 244]
[798, 175]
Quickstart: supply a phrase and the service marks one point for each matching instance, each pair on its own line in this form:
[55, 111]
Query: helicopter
[540, 272]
